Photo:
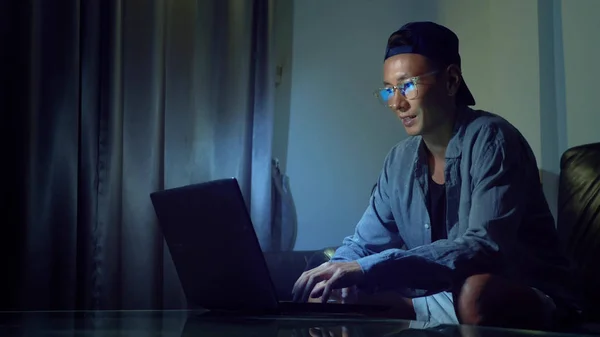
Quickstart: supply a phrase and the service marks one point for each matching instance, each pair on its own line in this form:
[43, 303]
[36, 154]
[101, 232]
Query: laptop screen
[214, 246]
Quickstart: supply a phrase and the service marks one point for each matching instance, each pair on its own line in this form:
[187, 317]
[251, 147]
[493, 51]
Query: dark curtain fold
[107, 102]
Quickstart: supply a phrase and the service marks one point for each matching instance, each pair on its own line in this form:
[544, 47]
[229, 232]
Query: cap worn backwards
[435, 42]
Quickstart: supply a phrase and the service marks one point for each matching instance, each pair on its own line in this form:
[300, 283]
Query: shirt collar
[463, 117]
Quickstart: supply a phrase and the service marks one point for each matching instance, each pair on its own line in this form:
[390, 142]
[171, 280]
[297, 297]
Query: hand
[321, 281]
[349, 295]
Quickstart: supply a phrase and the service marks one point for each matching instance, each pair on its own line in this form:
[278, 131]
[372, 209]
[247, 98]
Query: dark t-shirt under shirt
[437, 210]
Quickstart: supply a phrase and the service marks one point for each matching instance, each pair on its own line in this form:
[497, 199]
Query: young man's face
[423, 107]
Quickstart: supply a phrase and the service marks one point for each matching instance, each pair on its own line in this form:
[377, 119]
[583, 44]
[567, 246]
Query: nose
[398, 102]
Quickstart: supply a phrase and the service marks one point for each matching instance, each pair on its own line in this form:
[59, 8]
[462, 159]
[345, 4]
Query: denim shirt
[497, 219]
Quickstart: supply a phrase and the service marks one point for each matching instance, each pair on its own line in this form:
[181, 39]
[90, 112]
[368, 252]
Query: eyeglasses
[407, 88]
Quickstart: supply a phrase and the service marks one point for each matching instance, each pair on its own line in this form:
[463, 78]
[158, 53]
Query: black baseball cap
[435, 42]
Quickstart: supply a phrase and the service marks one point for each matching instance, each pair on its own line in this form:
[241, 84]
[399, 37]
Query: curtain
[107, 102]
[284, 218]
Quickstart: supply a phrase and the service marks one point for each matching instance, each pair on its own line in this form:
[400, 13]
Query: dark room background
[104, 102]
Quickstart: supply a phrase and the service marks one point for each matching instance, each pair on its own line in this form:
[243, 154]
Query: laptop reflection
[302, 327]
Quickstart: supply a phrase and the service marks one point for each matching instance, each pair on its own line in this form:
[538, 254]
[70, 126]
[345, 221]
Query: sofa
[578, 223]
[578, 219]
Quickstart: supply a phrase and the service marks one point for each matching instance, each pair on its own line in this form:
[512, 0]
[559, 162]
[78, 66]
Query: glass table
[194, 323]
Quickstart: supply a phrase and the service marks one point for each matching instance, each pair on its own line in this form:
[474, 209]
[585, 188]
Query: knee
[489, 300]
[473, 299]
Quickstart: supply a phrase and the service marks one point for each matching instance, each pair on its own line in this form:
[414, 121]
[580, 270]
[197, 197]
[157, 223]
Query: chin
[414, 130]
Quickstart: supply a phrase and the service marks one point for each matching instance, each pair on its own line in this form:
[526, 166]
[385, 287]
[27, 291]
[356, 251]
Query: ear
[454, 79]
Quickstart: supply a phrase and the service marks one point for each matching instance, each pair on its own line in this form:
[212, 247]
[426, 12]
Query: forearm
[427, 269]
[348, 251]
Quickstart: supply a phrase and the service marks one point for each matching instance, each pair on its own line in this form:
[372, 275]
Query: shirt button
[427, 226]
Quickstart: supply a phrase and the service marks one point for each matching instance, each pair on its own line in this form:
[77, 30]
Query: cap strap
[398, 50]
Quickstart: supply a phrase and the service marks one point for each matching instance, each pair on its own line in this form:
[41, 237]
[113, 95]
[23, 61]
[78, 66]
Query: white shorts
[434, 310]
[438, 309]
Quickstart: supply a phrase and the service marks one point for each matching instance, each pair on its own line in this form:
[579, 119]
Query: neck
[437, 141]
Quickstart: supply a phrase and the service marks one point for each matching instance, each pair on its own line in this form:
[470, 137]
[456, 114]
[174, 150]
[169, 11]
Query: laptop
[217, 255]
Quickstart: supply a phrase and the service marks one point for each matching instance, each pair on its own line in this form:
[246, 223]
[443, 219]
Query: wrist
[367, 264]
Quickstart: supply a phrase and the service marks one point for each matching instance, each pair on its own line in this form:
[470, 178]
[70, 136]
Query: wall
[338, 133]
[580, 27]
[336, 136]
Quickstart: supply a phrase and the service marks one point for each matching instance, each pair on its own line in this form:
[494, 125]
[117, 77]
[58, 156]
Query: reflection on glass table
[195, 323]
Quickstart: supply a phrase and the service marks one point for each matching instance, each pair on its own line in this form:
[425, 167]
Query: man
[458, 221]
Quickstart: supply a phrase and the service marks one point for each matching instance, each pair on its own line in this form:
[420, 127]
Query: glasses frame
[400, 86]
